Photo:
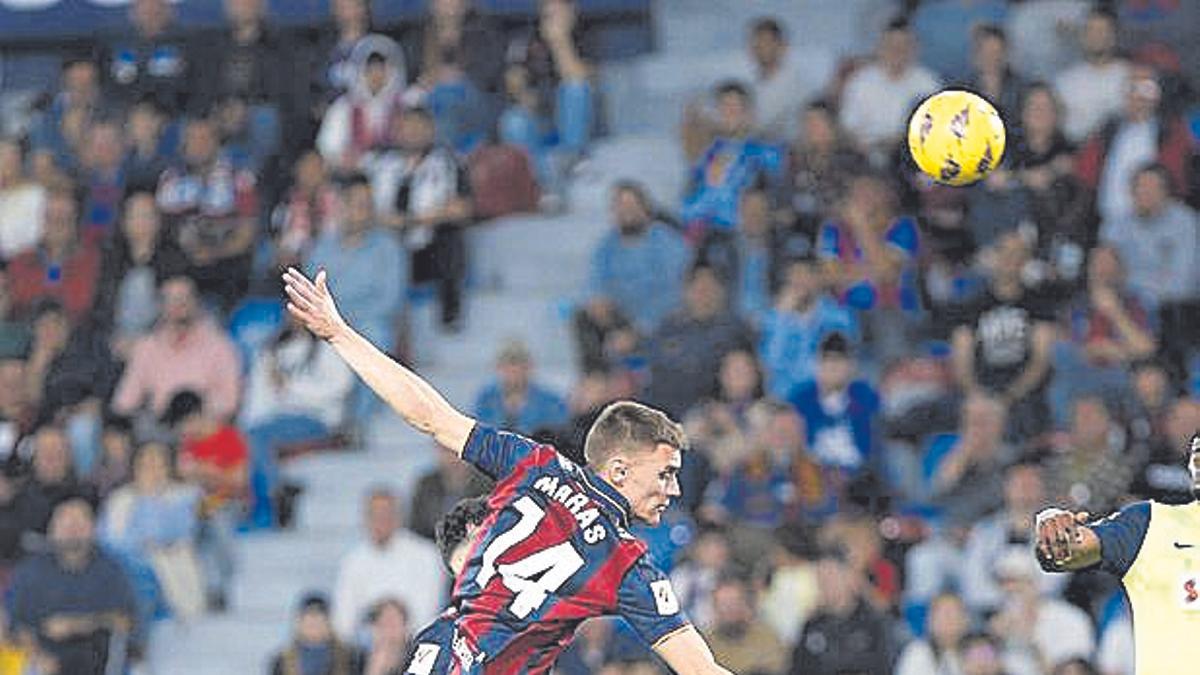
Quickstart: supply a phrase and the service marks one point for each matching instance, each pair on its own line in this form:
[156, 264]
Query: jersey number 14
[535, 576]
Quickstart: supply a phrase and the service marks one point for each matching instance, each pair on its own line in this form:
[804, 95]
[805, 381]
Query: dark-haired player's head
[637, 450]
[456, 529]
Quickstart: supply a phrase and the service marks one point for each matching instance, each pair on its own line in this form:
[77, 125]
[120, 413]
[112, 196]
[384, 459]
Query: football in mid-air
[956, 137]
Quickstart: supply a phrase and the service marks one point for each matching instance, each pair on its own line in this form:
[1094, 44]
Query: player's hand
[1057, 532]
[312, 304]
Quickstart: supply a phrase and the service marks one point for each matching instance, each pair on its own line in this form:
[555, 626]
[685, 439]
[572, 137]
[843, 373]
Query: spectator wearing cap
[878, 97]
[212, 455]
[513, 401]
[792, 331]
[690, 340]
[739, 639]
[736, 160]
[1092, 89]
[314, 649]
[186, 350]
[635, 277]
[548, 82]
[424, 193]
[21, 201]
[74, 602]
[212, 207]
[1145, 131]
[150, 62]
[1046, 629]
[845, 633]
[70, 374]
[361, 120]
[368, 273]
[780, 82]
[62, 266]
[838, 410]
[393, 562]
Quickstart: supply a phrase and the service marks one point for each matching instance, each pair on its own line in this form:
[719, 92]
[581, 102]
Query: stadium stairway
[527, 272]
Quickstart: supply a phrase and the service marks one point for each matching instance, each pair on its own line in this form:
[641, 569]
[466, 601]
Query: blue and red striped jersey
[555, 550]
[433, 646]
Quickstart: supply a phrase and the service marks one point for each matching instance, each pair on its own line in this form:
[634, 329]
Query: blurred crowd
[882, 379]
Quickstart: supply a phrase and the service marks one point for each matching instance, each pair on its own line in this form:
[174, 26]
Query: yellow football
[956, 137]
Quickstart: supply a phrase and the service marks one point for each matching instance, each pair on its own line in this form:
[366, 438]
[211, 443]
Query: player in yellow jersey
[1155, 549]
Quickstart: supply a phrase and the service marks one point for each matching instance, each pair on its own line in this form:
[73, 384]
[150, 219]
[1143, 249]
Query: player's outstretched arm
[688, 654]
[1064, 543]
[406, 392]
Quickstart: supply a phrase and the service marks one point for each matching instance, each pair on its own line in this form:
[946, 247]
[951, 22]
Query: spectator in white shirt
[1094, 89]
[879, 97]
[393, 562]
[21, 202]
[781, 82]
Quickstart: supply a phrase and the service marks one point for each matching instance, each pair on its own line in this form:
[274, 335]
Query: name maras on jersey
[577, 503]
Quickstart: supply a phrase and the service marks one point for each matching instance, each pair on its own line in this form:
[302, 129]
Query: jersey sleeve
[648, 602]
[1121, 536]
[496, 453]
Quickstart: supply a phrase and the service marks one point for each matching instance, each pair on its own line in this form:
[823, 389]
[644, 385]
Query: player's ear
[618, 470]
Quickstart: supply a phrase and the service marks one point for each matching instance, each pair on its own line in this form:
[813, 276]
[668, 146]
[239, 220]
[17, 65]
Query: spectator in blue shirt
[793, 329]
[515, 402]
[636, 277]
[838, 410]
[369, 270]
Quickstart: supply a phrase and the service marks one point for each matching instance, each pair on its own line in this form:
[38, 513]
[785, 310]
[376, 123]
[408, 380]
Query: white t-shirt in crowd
[1090, 94]
[875, 107]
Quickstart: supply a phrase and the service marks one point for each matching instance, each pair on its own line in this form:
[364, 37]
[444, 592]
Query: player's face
[651, 481]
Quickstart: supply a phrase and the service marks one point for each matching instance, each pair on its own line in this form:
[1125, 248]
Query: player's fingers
[1082, 518]
[322, 282]
[296, 278]
[299, 299]
[302, 287]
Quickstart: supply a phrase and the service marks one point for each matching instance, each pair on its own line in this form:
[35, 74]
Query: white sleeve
[334, 134]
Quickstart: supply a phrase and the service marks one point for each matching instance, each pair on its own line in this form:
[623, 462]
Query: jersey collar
[607, 496]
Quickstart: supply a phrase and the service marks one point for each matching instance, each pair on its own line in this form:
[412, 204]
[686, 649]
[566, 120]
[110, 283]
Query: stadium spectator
[751, 259]
[1159, 243]
[877, 98]
[821, 165]
[461, 61]
[70, 374]
[62, 266]
[1093, 469]
[549, 88]
[857, 536]
[636, 275]
[689, 340]
[102, 179]
[720, 427]
[151, 62]
[592, 650]
[337, 70]
[186, 350]
[940, 649]
[1108, 329]
[1151, 398]
[992, 75]
[390, 637]
[214, 456]
[695, 579]
[735, 161]
[73, 602]
[968, 482]
[791, 333]
[753, 488]
[21, 201]
[1112, 158]
[1093, 89]
[740, 639]
[362, 119]
[439, 490]
[780, 82]
[52, 480]
[1047, 629]
[370, 272]
[424, 192]
[513, 400]
[838, 410]
[1004, 339]
[151, 138]
[868, 254]
[213, 209]
[308, 211]
[393, 562]
[115, 466]
[59, 132]
[315, 649]
[139, 258]
[297, 390]
[845, 633]
[983, 654]
[153, 519]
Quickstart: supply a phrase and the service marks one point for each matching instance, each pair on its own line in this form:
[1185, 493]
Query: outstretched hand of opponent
[1061, 538]
[312, 304]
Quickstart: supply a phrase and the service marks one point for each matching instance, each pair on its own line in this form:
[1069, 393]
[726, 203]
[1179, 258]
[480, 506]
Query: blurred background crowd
[882, 379]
